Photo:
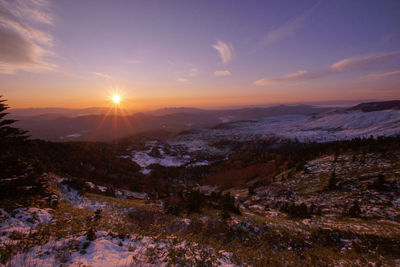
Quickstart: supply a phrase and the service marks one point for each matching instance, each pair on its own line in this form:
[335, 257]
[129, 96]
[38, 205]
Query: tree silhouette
[9, 135]
[11, 140]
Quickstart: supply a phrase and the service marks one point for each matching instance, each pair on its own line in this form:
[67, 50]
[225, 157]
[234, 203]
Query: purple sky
[197, 53]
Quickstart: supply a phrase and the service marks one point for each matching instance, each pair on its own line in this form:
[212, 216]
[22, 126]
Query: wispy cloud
[351, 64]
[185, 77]
[24, 47]
[375, 76]
[295, 76]
[287, 29]
[102, 75]
[222, 73]
[193, 72]
[225, 50]
[366, 62]
[182, 80]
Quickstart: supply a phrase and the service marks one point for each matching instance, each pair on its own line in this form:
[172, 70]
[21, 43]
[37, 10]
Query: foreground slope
[289, 213]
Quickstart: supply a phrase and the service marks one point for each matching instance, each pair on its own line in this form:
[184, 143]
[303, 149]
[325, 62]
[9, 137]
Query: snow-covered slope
[345, 125]
[336, 125]
[196, 148]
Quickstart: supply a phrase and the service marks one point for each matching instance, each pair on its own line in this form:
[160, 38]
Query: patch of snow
[102, 188]
[22, 220]
[178, 154]
[199, 163]
[145, 171]
[73, 197]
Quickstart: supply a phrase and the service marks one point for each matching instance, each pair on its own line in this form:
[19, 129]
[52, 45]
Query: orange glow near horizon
[138, 99]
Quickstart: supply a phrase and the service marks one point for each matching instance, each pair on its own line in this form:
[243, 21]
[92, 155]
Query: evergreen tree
[8, 135]
[11, 139]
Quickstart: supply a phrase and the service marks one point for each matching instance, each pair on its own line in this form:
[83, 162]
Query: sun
[116, 99]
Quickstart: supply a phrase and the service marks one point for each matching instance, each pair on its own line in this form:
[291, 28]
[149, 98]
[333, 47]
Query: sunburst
[116, 99]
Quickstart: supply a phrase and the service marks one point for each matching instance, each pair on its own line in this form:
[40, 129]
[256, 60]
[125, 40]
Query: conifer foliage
[11, 139]
[9, 135]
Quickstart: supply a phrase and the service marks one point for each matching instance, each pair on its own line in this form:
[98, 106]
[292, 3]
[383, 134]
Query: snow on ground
[73, 197]
[22, 220]
[177, 152]
[195, 148]
[199, 163]
[144, 159]
[145, 171]
[107, 250]
[337, 125]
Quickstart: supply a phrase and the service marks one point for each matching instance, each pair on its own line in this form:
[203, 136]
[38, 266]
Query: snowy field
[337, 125]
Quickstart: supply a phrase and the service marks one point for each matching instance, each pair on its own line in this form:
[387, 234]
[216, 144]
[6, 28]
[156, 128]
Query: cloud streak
[225, 50]
[287, 29]
[295, 76]
[222, 73]
[102, 75]
[376, 76]
[182, 80]
[366, 62]
[22, 46]
[193, 72]
[351, 64]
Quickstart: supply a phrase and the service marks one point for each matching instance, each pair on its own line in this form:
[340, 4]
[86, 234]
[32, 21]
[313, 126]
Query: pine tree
[9, 135]
[11, 139]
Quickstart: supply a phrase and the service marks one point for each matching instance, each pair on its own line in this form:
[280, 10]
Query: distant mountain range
[93, 123]
[101, 127]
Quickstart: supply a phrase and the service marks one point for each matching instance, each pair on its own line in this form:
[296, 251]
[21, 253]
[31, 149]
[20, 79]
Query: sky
[76, 54]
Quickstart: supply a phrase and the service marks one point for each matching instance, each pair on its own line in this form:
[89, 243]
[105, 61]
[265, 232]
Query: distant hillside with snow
[329, 126]
[375, 106]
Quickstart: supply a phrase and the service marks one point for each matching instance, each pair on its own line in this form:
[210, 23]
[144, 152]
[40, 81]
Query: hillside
[341, 200]
[375, 106]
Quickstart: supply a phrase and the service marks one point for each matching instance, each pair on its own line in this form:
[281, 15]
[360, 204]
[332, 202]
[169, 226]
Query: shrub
[228, 204]
[379, 183]
[332, 184]
[97, 215]
[174, 205]
[251, 190]
[78, 184]
[296, 211]
[354, 210]
[91, 234]
[110, 191]
[194, 200]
